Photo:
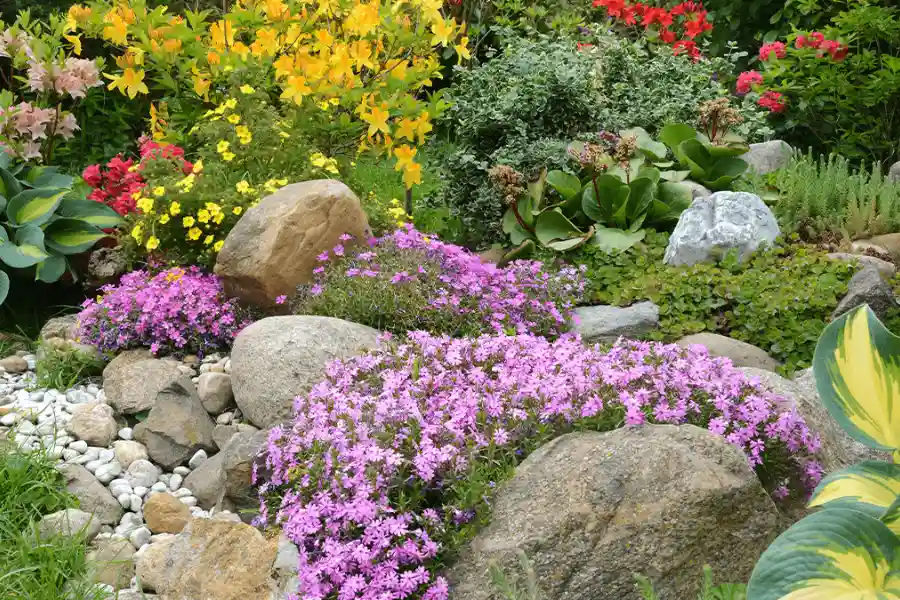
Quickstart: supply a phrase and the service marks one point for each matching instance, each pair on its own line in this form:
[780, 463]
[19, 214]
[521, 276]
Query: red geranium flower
[776, 48]
[772, 100]
[747, 80]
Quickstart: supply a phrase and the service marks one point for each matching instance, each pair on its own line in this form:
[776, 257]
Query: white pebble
[108, 472]
[136, 502]
[93, 465]
[183, 471]
[189, 501]
[119, 486]
[140, 537]
[198, 459]
[182, 493]
[69, 455]
[175, 482]
[101, 396]
[164, 477]
[225, 418]
[140, 491]
[79, 446]
[56, 452]
[107, 454]
[124, 499]
[9, 420]
[93, 390]
[25, 428]
[126, 433]
[159, 486]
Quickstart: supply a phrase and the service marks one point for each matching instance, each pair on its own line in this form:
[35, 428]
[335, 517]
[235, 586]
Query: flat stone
[766, 157]
[741, 353]
[207, 482]
[134, 387]
[112, 563]
[608, 323]
[887, 269]
[92, 495]
[14, 364]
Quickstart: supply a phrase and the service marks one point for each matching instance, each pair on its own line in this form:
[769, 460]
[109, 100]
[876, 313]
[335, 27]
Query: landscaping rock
[142, 473]
[867, 287]
[713, 226]
[106, 265]
[238, 457]
[164, 513]
[14, 364]
[128, 451]
[59, 327]
[69, 522]
[608, 323]
[887, 269]
[741, 353]
[697, 190]
[590, 510]
[211, 559]
[135, 387]
[112, 563]
[223, 433]
[176, 427]
[276, 359]
[839, 450]
[207, 482]
[894, 173]
[766, 157]
[889, 242]
[123, 359]
[273, 247]
[93, 496]
[215, 392]
[94, 423]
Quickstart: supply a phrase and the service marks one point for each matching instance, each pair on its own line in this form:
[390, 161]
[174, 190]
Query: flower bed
[390, 462]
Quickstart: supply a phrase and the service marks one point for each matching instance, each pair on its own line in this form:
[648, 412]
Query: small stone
[183, 471]
[14, 364]
[198, 459]
[182, 492]
[107, 455]
[9, 420]
[189, 501]
[119, 486]
[136, 502]
[69, 522]
[140, 537]
[164, 513]
[140, 491]
[607, 323]
[69, 455]
[124, 499]
[159, 486]
[224, 418]
[175, 482]
[127, 452]
[93, 465]
[867, 287]
[94, 423]
[126, 433]
[142, 472]
[108, 472]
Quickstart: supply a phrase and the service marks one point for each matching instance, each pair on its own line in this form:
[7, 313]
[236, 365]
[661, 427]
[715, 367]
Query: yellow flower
[233, 119]
[284, 134]
[203, 215]
[164, 219]
[218, 245]
[462, 50]
[219, 218]
[152, 243]
[188, 221]
[228, 156]
[130, 82]
[222, 146]
[198, 166]
[443, 31]
[230, 103]
[412, 175]
[324, 105]
[194, 234]
[242, 131]
[246, 89]
[76, 43]
[243, 187]
[159, 191]
[213, 208]
[175, 209]
[137, 233]
[187, 183]
[209, 240]
[145, 204]
[237, 210]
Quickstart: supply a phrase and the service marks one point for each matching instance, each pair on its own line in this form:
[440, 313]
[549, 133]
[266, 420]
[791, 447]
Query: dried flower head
[717, 117]
[592, 157]
[509, 182]
[625, 149]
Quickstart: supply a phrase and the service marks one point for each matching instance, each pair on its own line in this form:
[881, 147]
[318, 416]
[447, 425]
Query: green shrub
[826, 199]
[61, 367]
[780, 300]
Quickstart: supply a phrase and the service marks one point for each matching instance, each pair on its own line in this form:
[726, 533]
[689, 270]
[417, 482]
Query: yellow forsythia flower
[137, 233]
[198, 167]
[246, 89]
[145, 204]
[209, 240]
[228, 156]
[218, 245]
[233, 119]
[222, 146]
[230, 103]
[203, 216]
[164, 219]
[237, 210]
[243, 187]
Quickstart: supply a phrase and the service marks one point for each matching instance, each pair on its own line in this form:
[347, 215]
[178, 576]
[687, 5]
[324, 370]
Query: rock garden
[457, 300]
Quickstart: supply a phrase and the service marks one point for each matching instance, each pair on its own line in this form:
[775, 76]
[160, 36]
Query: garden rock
[69, 523]
[278, 358]
[238, 457]
[142, 473]
[128, 451]
[697, 190]
[215, 392]
[867, 287]
[839, 450]
[887, 269]
[223, 433]
[724, 221]
[608, 323]
[273, 247]
[890, 242]
[741, 353]
[176, 427]
[14, 364]
[123, 359]
[59, 327]
[164, 513]
[211, 558]
[93, 496]
[106, 265]
[590, 510]
[112, 562]
[894, 172]
[134, 387]
[94, 423]
[766, 157]
[207, 482]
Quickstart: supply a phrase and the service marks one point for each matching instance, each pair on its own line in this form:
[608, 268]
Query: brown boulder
[273, 248]
[164, 513]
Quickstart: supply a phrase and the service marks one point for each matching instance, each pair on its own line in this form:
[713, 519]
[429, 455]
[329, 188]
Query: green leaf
[871, 486]
[643, 190]
[696, 158]
[674, 176]
[649, 172]
[48, 177]
[674, 134]
[613, 241]
[613, 194]
[566, 184]
[833, 554]
[33, 207]
[11, 185]
[51, 269]
[4, 286]
[553, 226]
[28, 249]
[95, 213]
[653, 150]
[71, 236]
[728, 150]
[676, 195]
[724, 171]
[536, 191]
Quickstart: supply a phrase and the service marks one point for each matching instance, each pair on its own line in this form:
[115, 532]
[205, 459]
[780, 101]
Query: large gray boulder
[177, 426]
[70, 522]
[592, 509]
[867, 286]
[608, 323]
[93, 496]
[278, 358]
[133, 387]
[766, 157]
[717, 224]
[741, 353]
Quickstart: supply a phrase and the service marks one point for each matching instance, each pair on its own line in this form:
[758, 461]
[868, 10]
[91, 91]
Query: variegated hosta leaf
[870, 486]
[857, 369]
[838, 554]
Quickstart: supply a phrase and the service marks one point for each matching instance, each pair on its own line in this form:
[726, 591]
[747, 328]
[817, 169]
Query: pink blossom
[776, 49]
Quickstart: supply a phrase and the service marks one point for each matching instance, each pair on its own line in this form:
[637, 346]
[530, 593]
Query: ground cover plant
[390, 463]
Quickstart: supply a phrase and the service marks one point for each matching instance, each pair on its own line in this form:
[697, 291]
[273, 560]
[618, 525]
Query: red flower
[686, 8]
[631, 14]
[682, 46]
[694, 28]
[614, 8]
[667, 35]
[92, 175]
[774, 101]
[580, 45]
[776, 48]
[657, 15]
[747, 80]
[837, 50]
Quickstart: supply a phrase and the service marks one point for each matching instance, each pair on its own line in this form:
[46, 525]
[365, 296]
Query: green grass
[62, 368]
[31, 487]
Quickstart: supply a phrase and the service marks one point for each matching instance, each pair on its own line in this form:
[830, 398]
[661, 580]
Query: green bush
[61, 367]
[780, 300]
[825, 199]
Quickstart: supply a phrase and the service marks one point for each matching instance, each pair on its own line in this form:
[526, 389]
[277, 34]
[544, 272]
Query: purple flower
[280, 299]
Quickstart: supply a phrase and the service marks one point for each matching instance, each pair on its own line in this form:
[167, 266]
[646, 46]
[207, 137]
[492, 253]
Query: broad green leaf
[613, 241]
[569, 244]
[33, 207]
[724, 171]
[697, 159]
[71, 236]
[727, 150]
[48, 177]
[566, 184]
[857, 370]
[27, 250]
[672, 135]
[11, 185]
[613, 194]
[4, 286]
[51, 269]
[649, 172]
[676, 195]
[674, 176]
[95, 213]
[552, 226]
[641, 196]
[536, 190]
[839, 554]
[655, 151]
[872, 483]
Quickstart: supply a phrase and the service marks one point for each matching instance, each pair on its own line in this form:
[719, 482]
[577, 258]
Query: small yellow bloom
[132, 168]
[284, 134]
[164, 219]
[136, 195]
[198, 167]
[242, 130]
[223, 146]
[233, 119]
[159, 191]
[213, 208]
[145, 204]
[152, 243]
[228, 156]
[188, 221]
[230, 103]
[175, 209]
[218, 245]
[237, 210]
[203, 215]
[219, 218]
[137, 233]
[246, 89]
[243, 187]
[209, 240]
[194, 234]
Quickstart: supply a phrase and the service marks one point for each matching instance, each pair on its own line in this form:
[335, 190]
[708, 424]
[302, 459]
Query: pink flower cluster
[459, 294]
[74, 77]
[25, 127]
[415, 420]
[174, 311]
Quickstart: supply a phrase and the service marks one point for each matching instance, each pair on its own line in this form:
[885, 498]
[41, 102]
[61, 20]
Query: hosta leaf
[697, 158]
[873, 483]
[11, 185]
[33, 207]
[566, 184]
[71, 236]
[4, 286]
[27, 250]
[51, 269]
[857, 370]
[95, 213]
[839, 554]
[613, 241]
[48, 177]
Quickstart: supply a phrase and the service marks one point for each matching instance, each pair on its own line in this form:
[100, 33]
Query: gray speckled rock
[94, 423]
[867, 287]
[276, 359]
[207, 482]
[238, 457]
[69, 522]
[713, 226]
[766, 157]
[697, 190]
[607, 323]
[93, 496]
[741, 353]
[592, 509]
[887, 269]
[133, 387]
[59, 327]
[215, 392]
[894, 172]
